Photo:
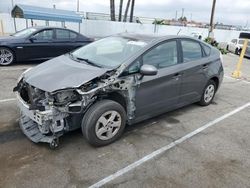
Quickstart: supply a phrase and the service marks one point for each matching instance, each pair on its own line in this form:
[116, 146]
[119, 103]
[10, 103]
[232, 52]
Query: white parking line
[7, 100]
[13, 69]
[231, 78]
[165, 148]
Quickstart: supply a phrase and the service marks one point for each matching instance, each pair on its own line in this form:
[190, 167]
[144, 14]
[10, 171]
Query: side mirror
[148, 70]
[32, 39]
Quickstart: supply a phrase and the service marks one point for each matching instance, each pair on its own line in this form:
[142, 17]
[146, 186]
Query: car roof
[148, 38]
[50, 27]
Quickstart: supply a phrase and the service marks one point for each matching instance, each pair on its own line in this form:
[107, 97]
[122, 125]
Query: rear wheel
[6, 56]
[208, 93]
[104, 123]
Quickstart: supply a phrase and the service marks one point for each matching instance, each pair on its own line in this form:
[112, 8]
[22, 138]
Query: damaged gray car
[114, 82]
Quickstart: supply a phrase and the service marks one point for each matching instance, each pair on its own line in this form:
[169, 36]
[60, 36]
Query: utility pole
[211, 27]
[176, 14]
[182, 14]
[77, 9]
[12, 4]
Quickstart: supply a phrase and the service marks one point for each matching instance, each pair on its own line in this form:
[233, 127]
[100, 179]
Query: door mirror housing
[148, 70]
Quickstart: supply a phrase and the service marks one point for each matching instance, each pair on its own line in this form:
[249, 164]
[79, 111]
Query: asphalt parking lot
[190, 147]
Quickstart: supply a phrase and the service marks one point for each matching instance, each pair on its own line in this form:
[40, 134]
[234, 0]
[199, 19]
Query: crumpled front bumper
[30, 121]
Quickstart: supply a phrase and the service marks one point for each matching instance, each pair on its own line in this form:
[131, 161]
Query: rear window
[191, 50]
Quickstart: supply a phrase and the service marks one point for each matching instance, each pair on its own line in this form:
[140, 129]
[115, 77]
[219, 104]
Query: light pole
[77, 9]
[211, 26]
[12, 4]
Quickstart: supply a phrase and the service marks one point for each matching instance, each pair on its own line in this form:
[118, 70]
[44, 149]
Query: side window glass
[234, 41]
[191, 50]
[62, 34]
[207, 49]
[161, 56]
[72, 35]
[44, 35]
[135, 67]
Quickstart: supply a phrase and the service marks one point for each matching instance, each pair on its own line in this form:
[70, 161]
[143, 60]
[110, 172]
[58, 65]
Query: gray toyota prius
[114, 82]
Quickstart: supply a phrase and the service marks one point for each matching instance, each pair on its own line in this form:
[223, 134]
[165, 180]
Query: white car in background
[235, 46]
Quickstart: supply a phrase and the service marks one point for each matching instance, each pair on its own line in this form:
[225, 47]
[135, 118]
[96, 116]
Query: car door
[232, 45]
[159, 93]
[195, 64]
[65, 41]
[39, 45]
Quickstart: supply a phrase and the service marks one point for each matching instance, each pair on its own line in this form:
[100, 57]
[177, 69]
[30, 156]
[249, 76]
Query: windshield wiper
[85, 60]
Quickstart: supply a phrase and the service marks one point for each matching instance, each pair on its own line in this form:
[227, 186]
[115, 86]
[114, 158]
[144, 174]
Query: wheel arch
[216, 80]
[117, 97]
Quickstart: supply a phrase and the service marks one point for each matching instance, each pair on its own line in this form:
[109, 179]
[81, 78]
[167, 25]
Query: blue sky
[235, 12]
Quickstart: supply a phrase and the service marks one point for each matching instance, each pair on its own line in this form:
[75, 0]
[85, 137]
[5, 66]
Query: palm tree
[120, 10]
[126, 11]
[112, 10]
[132, 11]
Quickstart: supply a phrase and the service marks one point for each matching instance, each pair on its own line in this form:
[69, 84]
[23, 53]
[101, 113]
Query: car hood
[60, 73]
[9, 38]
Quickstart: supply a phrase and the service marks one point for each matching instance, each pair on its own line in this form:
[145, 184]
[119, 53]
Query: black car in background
[39, 43]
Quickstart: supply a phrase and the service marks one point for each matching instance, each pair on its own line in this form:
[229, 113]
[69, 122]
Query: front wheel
[103, 123]
[6, 56]
[208, 93]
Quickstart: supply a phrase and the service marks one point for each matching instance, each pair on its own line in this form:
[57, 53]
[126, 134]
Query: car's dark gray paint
[60, 73]
[142, 95]
[172, 87]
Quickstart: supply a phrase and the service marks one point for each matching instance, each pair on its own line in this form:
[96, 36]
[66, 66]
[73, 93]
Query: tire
[236, 51]
[239, 51]
[106, 117]
[208, 95]
[6, 56]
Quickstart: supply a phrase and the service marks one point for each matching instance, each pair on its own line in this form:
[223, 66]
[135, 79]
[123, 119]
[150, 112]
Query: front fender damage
[58, 123]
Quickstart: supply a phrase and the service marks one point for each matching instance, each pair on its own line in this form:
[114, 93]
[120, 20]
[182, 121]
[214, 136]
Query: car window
[206, 49]
[72, 35]
[111, 47]
[62, 34]
[161, 56]
[44, 35]
[191, 50]
[109, 52]
[135, 67]
[234, 41]
[241, 41]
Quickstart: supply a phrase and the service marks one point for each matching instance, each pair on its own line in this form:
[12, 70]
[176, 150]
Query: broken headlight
[65, 97]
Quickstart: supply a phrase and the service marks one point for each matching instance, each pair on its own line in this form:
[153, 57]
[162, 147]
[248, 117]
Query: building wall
[101, 28]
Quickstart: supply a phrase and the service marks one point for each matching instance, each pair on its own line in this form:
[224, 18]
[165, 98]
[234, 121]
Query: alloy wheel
[108, 125]
[209, 93]
[6, 56]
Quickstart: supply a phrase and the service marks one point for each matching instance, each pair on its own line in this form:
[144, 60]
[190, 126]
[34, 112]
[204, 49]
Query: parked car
[235, 46]
[118, 80]
[39, 43]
